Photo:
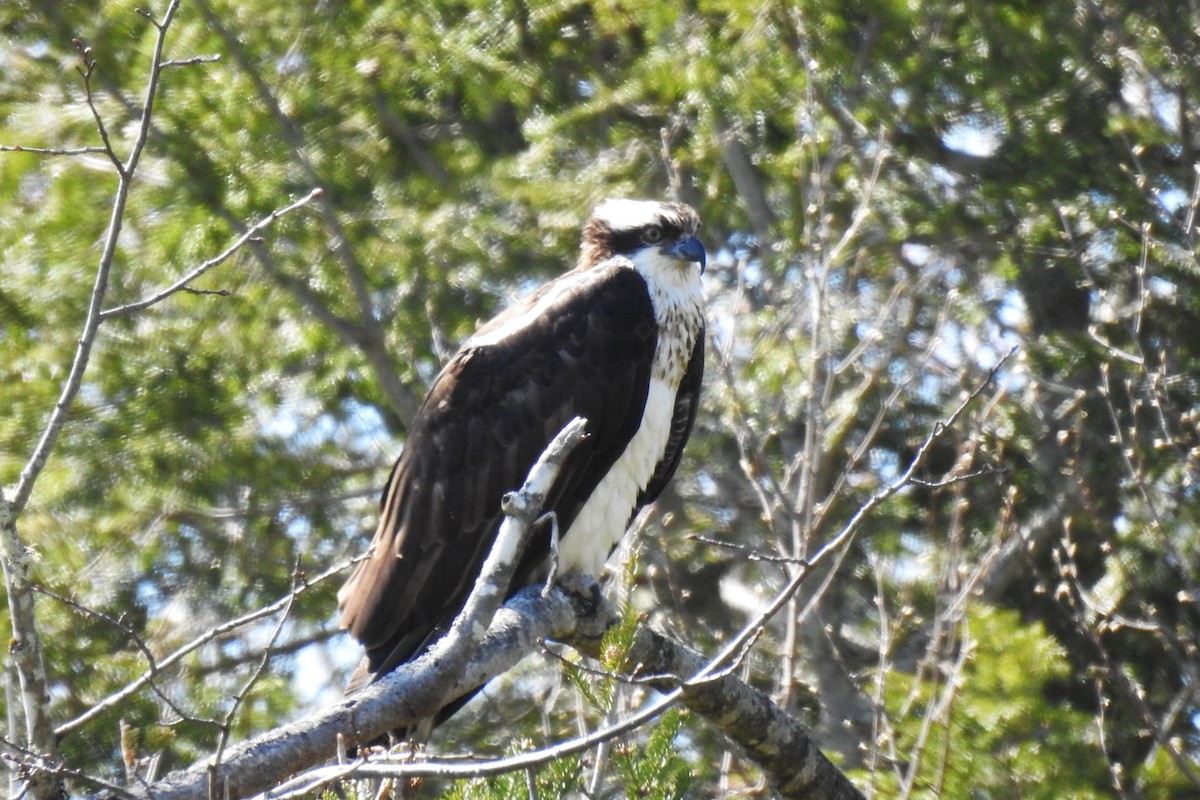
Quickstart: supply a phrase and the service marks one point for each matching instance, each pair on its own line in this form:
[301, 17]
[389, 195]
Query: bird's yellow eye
[652, 234]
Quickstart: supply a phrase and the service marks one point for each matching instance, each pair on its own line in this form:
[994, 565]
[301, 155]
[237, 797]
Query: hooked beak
[687, 248]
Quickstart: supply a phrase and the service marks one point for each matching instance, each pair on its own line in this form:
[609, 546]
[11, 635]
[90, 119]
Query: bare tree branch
[26, 652]
[779, 744]
[92, 323]
[89, 67]
[52, 151]
[14, 556]
[187, 62]
[182, 284]
[141, 645]
[154, 669]
[226, 725]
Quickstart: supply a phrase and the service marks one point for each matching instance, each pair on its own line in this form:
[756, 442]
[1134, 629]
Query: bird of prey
[618, 340]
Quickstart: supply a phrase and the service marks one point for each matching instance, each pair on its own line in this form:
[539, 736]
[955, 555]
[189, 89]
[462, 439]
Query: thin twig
[983, 472]
[226, 725]
[34, 763]
[735, 663]
[182, 284]
[207, 292]
[851, 527]
[89, 66]
[51, 151]
[154, 669]
[586, 669]
[750, 553]
[187, 62]
[201, 640]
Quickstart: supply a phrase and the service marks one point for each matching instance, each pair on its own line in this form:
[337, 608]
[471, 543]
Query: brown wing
[582, 345]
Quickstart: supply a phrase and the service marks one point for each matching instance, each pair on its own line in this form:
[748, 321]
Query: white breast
[675, 293]
[601, 522]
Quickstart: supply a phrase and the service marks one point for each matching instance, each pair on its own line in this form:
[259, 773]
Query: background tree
[895, 194]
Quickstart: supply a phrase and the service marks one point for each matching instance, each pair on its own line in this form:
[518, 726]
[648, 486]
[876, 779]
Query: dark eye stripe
[629, 241]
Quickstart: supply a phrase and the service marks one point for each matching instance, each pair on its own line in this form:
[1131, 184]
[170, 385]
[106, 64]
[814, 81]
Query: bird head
[653, 235]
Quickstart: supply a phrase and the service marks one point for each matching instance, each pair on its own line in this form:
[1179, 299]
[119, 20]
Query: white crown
[623, 214]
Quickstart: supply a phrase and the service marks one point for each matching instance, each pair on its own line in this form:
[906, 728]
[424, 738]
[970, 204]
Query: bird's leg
[552, 575]
[585, 593]
[415, 740]
[384, 790]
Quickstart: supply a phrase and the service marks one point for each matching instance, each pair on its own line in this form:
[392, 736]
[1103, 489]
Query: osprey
[618, 340]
